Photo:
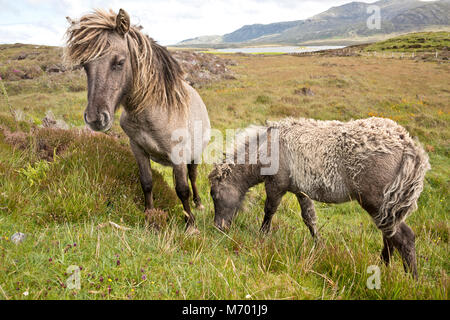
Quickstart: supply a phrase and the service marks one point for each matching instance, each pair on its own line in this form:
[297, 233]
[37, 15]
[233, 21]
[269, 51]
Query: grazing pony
[125, 67]
[373, 161]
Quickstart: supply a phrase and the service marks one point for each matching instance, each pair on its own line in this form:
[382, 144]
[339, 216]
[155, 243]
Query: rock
[203, 68]
[55, 68]
[18, 237]
[49, 121]
[22, 56]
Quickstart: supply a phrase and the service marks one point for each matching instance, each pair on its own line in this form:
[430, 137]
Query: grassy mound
[420, 42]
[75, 175]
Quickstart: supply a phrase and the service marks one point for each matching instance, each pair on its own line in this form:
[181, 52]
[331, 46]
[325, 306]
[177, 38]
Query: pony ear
[122, 22]
[72, 22]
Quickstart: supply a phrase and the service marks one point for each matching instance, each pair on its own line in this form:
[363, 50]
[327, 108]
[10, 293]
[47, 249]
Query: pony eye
[118, 65]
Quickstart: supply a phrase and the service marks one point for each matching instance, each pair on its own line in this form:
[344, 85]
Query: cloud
[168, 21]
[29, 33]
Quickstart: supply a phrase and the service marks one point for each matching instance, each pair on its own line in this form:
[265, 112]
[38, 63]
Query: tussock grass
[82, 182]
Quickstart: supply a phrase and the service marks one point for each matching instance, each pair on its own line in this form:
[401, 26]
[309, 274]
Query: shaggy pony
[373, 161]
[124, 67]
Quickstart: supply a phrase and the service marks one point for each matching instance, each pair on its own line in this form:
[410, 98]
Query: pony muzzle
[102, 122]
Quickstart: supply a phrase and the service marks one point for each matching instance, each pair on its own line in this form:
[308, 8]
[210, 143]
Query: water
[284, 49]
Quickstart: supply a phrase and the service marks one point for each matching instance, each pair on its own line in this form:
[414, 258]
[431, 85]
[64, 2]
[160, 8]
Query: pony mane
[240, 144]
[220, 171]
[158, 79]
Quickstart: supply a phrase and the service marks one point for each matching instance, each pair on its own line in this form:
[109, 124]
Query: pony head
[123, 66]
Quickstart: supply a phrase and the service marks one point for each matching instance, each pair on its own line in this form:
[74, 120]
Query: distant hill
[348, 21]
[257, 31]
[204, 39]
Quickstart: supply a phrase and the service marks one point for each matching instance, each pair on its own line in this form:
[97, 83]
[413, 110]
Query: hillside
[417, 42]
[345, 22]
[43, 66]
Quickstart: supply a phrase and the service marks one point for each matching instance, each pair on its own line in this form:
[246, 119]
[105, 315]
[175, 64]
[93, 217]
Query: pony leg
[404, 242]
[308, 214]
[273, 199]
[388, 250]
[371, 203]
[183, 192]
[192, 172]
[145, 175]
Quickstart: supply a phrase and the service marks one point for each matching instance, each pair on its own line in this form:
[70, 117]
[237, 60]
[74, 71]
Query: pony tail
[400, 198]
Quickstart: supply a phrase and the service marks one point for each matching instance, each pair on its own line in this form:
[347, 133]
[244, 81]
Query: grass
[414, 42]
[62, 188]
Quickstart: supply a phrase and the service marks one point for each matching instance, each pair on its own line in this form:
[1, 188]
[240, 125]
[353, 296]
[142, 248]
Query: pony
[126, 67]
[373, 161]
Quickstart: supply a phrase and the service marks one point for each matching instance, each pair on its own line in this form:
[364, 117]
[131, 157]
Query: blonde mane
[158, 79]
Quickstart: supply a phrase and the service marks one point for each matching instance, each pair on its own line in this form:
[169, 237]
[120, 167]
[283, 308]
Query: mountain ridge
[341, 22]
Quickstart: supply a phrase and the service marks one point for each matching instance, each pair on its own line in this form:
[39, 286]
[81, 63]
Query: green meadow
[414, 42]
[76, 195]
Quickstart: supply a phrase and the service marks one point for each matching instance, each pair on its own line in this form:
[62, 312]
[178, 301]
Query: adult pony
[125, 67]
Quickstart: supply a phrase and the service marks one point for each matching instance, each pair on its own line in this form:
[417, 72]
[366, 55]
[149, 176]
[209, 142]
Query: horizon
[33, 21]
[43, 22]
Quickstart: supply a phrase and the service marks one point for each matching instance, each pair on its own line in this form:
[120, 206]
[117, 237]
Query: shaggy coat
[332, 161]
[373, 161]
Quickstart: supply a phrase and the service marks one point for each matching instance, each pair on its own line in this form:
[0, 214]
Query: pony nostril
[99, 121]
[104, 118]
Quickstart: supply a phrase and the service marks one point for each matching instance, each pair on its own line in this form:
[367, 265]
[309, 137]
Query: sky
[167, 21]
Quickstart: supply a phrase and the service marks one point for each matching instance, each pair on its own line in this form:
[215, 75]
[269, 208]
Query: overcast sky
[167, 21]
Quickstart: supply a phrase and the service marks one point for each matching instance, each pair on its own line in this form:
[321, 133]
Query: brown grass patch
[290, 100]
[156, 218]
[46, 143]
